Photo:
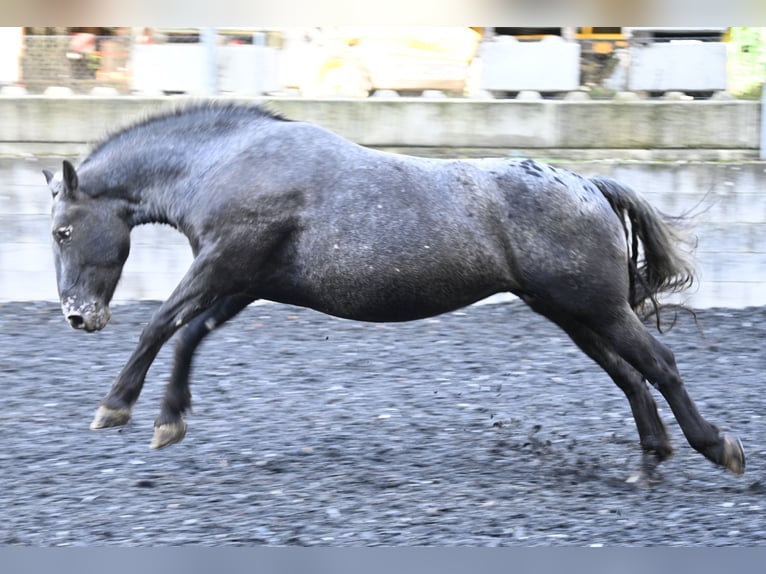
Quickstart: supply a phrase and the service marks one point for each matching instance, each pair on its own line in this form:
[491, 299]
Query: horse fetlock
[108, 417]
[168, 433]
[657, 447]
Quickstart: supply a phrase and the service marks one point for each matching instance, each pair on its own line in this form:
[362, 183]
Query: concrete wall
[729, 197]
[728, 201]
[731, 224]
[41, 125]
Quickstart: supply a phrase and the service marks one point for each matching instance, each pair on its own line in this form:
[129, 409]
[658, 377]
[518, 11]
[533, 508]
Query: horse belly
[403, 292]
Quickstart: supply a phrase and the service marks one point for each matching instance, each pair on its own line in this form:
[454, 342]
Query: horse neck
[149, 189]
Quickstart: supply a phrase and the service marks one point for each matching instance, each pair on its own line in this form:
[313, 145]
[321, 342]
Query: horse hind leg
[633, 342]
[653, 435]
[170, 426]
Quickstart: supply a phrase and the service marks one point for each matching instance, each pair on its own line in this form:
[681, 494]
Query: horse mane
[209, 113]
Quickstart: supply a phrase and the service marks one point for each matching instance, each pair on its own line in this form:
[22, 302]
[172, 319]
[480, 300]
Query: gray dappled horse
[290, 212]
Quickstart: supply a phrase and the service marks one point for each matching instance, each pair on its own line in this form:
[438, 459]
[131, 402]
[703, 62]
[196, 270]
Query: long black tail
[662, 263]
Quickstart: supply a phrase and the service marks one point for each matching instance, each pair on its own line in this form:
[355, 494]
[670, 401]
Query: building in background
[358, 62]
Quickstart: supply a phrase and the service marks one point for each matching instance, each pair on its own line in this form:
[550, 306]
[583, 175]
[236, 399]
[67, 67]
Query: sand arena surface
[482, 427]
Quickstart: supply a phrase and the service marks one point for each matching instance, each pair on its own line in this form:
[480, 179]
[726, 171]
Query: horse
[287, 211]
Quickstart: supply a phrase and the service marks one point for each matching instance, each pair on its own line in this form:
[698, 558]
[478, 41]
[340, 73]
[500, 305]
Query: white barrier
[248, 70]
[687, 66]
[10, 54]
[549, 65]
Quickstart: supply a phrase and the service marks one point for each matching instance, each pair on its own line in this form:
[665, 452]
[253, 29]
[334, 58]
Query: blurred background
[364, 61]
[673, 112]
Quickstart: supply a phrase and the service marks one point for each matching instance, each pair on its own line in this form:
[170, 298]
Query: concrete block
[247, 70]
[104, 92]
[577, 96]
[529, 95]
[434, 94]
[684, 66]
[676, 96]
[627, 97]
[174, 68]
[729, 199]
[385, 94]
[550, 65]
[58, 92]
[13, 91]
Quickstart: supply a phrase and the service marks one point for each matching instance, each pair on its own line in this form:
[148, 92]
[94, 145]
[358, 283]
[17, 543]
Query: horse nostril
[76, 321]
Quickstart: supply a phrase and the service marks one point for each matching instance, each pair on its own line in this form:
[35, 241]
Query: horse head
[91, 242]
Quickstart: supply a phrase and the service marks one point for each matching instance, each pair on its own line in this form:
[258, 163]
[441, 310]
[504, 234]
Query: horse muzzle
[87, 317]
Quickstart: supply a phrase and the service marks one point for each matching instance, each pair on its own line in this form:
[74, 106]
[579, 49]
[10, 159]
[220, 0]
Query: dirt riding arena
[483, 427]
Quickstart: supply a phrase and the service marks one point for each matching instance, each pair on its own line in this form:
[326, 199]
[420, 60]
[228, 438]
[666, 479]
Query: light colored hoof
[645, 478]
[106, 417]
[167, 434]
[733, 454]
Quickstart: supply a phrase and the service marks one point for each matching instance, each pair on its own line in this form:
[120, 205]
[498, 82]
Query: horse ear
[51, 184]
[70, 178]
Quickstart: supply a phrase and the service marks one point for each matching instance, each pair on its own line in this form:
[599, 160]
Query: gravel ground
[483, 427]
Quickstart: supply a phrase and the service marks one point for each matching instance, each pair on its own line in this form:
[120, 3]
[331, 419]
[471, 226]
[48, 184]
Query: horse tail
[663, 262]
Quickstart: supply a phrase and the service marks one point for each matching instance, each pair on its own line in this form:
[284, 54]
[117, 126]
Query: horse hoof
[733, 454]
[106, 417]
[167, 434]
[643, 480]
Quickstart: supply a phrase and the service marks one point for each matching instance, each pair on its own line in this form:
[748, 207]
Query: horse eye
[63, 233]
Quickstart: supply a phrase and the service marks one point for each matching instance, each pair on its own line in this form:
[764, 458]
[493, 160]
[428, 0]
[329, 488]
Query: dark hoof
[106, 417]
[169, 433]
[733, 454]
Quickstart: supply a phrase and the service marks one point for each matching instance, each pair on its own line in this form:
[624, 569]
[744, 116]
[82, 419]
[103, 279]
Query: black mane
[197, 116]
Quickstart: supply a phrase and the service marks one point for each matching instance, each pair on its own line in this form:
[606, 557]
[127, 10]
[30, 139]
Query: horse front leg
[115, 408]
[170, 426]
[190, 298]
